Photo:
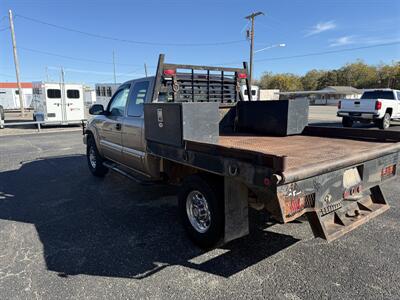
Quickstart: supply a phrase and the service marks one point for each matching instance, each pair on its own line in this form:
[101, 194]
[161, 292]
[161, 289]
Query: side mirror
[96, 109]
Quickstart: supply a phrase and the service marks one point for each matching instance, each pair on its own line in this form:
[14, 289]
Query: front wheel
[347, 122]
[95, 161]
[385, 122]
[201, 210]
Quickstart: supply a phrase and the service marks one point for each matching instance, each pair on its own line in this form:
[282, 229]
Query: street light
[269, 47]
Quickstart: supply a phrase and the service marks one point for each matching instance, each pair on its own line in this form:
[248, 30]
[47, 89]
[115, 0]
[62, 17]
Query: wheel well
[389, 111]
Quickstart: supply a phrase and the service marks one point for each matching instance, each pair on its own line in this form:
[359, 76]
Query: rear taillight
[388, 171]
[242, 75]
[378, 105]
[169, 72]
[339, 105]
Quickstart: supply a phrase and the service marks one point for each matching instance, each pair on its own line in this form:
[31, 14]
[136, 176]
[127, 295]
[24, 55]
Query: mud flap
[236, 210]
[352, 214]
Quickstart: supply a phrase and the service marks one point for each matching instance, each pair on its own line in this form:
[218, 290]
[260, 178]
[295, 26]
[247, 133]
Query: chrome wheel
[92, 157]
[386, 121]
[198, 211]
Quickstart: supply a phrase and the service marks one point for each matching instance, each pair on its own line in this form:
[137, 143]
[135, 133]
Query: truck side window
[138, 97]
[398, 95]
[118, 102]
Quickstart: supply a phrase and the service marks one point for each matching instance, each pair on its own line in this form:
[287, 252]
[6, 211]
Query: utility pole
[115, 77]
[252, 17]
[145, 69]
[47, 74]
[16, 62]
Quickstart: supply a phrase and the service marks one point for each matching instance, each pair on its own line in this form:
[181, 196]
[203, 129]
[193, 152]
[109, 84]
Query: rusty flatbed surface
[301, 150]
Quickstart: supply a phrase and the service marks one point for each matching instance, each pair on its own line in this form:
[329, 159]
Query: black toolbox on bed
[277, 117]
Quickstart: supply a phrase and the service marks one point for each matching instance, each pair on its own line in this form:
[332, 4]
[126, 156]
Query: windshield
[378, 95]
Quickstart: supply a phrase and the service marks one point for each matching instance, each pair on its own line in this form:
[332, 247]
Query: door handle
[118, 126]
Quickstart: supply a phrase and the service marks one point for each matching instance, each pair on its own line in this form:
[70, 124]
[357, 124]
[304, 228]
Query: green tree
[310, 79]
[359, 75]
[285, 82]
[327, 79]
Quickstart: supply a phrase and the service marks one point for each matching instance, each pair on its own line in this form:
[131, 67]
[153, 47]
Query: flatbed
[190, 125]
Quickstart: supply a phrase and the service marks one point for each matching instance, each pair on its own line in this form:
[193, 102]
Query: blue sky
[305, 26]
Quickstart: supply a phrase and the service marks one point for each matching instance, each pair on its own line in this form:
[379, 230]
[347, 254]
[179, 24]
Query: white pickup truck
[379, 106]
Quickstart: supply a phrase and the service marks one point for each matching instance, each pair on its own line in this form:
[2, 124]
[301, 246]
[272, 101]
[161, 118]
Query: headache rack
[189, 83]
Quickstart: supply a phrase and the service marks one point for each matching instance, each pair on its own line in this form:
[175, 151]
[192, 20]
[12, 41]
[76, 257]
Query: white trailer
[58, 103]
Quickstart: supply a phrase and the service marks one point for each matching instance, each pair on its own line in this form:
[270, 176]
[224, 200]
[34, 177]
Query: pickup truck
[379, 106]
[333, 176]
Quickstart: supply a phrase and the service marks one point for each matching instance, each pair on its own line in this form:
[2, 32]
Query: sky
[81, 36]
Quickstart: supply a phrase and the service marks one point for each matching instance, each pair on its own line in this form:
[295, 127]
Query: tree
[285, 82]
[359, 75]
[389, 75]
[310, 80]
[328, 78]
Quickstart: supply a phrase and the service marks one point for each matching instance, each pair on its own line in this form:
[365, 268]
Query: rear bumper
[359, 116]
[332, 205]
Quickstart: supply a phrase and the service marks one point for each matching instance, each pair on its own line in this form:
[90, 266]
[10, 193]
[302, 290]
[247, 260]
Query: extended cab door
[133, 126]
[111, 125]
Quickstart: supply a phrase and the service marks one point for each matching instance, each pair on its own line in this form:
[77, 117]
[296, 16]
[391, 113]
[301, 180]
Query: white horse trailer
[58, 103]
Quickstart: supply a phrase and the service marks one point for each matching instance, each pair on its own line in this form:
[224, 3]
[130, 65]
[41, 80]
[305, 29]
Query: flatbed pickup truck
[334, 176]
[379, 106]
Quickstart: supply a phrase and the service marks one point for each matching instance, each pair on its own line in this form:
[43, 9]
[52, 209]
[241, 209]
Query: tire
[205, 231]
[94, 159]
[347, 122]
[385, 122]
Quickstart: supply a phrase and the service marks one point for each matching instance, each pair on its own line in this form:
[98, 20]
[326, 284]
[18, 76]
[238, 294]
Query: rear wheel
[347, 122]
[385, 122]
[201, 210]
[95, 161]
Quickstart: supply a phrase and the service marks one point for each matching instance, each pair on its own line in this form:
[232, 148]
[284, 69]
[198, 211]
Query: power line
[315, 53]
[72, 57]
[105, 37]
[3, 18]
[328, 52]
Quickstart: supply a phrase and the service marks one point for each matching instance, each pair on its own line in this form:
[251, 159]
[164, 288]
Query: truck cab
[119, 127]
[378, 106]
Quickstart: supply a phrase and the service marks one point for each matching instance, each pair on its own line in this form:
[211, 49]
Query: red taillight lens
[388, 171]
[339, 105]
[378, 105]
[169, 72]
[242, 75]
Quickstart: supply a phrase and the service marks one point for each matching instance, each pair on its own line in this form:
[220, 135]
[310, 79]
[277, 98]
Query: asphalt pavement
[67, 235]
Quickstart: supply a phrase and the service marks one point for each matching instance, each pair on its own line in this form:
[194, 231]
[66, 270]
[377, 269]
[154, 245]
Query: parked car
[183, 126]
[379, 106]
